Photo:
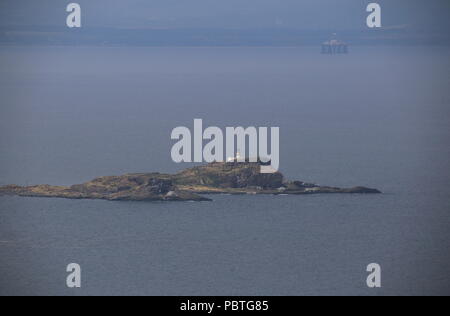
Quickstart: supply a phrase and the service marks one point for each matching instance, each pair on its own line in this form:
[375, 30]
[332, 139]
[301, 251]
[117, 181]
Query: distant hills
[49, 35]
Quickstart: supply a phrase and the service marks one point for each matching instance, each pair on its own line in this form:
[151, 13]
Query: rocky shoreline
[188, 185]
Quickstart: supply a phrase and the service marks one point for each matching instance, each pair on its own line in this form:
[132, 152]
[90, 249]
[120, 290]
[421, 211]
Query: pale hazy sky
[238, 14]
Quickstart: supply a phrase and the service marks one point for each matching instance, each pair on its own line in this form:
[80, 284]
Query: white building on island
[235, 159]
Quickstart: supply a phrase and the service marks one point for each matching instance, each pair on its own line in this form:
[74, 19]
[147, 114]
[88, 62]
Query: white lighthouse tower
[235, 159]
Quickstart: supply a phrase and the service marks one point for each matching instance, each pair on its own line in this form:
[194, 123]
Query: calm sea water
[378, 117]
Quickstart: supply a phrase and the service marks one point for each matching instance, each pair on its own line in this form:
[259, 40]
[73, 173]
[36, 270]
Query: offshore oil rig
[334, 46]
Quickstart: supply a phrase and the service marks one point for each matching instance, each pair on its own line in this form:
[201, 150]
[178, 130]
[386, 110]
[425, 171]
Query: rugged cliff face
[230, 178]
[229, 175]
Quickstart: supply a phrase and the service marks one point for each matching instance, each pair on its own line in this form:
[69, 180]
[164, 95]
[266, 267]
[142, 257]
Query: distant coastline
[213, 37]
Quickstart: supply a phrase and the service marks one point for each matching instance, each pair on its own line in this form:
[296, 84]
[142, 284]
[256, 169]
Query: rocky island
[188, 185]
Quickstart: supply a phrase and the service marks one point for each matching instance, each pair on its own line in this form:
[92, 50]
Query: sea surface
[378, 117]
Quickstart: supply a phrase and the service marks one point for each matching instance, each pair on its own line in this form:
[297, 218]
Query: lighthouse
[235, 159]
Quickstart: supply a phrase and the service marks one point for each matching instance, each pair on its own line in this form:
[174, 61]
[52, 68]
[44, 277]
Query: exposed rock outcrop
[214, 178]
[131, 187]
[229, 176]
